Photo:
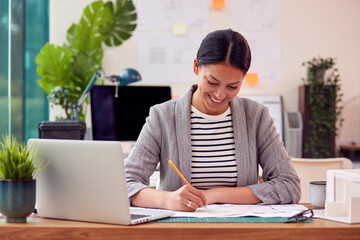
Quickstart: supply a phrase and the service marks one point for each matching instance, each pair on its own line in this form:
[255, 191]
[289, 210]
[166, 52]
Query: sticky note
[252, 79]
[218, 4]
[174, 96]
[179, 28]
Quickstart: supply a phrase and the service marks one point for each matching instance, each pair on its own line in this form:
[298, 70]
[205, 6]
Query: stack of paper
[231, 210]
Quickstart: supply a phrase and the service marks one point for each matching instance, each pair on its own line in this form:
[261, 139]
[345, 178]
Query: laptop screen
[122, 118]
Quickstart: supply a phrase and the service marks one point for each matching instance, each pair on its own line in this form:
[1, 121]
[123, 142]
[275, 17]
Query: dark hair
[225, 46]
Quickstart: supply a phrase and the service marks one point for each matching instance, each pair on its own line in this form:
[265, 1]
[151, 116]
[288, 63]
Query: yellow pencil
[178, 172]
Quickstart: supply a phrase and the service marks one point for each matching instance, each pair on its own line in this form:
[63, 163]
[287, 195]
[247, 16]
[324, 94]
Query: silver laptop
[85, 181]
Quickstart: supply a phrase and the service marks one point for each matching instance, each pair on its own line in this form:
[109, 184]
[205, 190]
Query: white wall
[326, 28]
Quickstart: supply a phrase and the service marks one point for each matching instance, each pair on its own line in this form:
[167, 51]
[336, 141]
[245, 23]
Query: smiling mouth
[217, 101]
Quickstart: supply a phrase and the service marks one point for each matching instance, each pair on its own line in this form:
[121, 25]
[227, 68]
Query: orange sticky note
[252, 79]
[174, 96]
[218, 4]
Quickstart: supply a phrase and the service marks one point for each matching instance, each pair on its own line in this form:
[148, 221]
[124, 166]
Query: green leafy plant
[323, 80]
[17, 161]
[66, 70]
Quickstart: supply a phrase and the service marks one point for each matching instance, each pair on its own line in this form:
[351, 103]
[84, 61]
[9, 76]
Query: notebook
[85, 181]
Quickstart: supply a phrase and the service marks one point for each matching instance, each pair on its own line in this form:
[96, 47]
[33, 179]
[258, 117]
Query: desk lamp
[125, 77]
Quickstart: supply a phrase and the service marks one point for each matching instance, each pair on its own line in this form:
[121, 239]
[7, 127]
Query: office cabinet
[307, 116]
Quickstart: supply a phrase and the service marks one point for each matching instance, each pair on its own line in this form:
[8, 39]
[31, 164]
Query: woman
[215, 139]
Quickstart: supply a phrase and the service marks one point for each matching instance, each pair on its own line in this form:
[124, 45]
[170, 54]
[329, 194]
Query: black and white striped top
[213, 150]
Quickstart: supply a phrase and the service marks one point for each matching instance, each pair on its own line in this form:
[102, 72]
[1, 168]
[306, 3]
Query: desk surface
[40, 228]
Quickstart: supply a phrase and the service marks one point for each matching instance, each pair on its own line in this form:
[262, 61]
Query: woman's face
[218, 84]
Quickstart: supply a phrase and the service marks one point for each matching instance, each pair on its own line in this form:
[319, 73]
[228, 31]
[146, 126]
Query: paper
[319, 213]
[265, 55]
[259, 22]
[255, 15]
[233, 210]
[162, 14]
[218, 4]
[179, 29]
[252, 79]
[165, 58]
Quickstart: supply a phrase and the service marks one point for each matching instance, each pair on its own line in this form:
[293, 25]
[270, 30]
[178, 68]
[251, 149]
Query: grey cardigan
[166, 134]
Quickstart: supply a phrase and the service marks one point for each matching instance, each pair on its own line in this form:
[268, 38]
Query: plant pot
[17, 199]
[317, 75]
[62, 130]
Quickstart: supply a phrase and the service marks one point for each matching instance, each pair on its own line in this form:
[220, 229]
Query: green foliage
[17, 162]
[121, 28]
[66, 70]
[324, 99]
[54, 66]
[63, 96]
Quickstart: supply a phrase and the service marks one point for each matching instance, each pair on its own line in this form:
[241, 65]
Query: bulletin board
[168, 40]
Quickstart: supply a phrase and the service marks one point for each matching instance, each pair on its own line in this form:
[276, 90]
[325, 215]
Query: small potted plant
[17, 184]
[66, 70]
[320, 99]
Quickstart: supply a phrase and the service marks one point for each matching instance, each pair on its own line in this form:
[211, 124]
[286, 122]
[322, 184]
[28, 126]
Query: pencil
[178, 172]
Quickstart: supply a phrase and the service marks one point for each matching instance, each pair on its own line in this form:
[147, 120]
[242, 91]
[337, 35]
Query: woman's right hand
[186, 198]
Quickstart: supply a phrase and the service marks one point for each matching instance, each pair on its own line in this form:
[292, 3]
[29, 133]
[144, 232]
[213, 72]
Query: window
[23, 104]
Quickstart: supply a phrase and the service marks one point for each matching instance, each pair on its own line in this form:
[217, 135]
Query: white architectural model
[343, 196]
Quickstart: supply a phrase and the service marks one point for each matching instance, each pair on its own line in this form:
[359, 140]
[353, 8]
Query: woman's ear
[196, 66]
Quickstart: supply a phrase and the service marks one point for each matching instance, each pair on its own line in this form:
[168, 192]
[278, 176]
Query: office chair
[310, 170]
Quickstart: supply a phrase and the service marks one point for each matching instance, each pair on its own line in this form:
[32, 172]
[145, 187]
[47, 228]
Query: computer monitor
[122, 118]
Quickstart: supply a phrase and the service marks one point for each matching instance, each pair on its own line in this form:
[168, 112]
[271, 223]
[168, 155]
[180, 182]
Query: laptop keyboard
[137, 216]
